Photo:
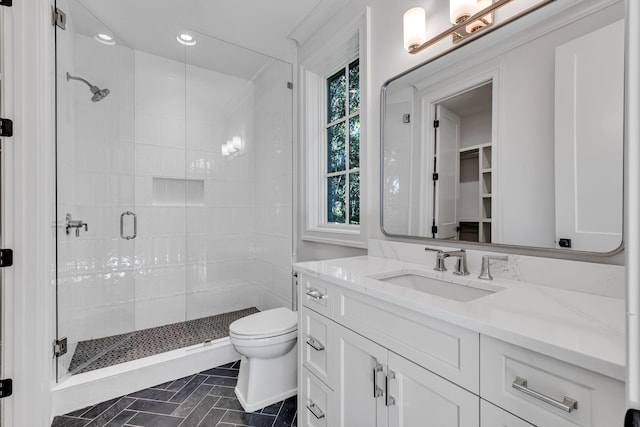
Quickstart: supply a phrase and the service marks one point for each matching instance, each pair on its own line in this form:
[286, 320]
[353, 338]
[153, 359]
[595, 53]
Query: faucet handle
[433, 250]
[461, 264]
[439, 259]
[485, 271]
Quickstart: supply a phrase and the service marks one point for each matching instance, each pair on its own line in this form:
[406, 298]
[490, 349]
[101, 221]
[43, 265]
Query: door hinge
[434, 176]
[436, 123]
[7, 3]
[564, 243]
[6, 257]
[59, 18]
[6, 127]
[60, 347]
[6, 388]
[434, 229]
[289, 85]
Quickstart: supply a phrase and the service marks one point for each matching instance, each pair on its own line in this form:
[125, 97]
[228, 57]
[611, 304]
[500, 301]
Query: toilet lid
[266, 323]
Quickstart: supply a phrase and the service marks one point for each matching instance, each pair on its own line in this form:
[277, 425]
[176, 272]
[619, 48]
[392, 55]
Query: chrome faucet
[461, 262]
[78, 224]
[485, 272]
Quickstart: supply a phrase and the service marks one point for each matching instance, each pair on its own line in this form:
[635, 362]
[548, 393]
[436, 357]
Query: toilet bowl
[267, 342]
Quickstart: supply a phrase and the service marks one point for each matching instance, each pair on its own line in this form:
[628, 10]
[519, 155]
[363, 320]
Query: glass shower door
[96, 223]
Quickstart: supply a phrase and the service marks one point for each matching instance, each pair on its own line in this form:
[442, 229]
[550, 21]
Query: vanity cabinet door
[316, 339]
[359, 385]
[418, 397]
[492, 416]
[315, 402]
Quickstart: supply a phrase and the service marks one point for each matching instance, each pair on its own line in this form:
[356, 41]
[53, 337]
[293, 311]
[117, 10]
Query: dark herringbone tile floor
[206, 399]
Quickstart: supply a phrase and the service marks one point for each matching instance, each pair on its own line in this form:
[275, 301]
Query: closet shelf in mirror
[474, 147]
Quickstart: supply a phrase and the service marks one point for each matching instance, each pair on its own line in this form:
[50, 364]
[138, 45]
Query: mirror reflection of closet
[463, 163]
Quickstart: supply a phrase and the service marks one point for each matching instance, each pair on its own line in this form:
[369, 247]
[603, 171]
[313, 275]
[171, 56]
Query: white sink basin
[429, 285]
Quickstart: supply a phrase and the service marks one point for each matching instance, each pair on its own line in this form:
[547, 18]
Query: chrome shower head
[98, 94]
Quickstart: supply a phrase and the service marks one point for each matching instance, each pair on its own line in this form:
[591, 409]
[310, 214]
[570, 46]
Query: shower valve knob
[78, 224]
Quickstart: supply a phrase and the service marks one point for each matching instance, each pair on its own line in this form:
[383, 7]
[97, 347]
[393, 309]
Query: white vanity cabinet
[547, 391]
[367, 362]
[348, 380]
[492, 416]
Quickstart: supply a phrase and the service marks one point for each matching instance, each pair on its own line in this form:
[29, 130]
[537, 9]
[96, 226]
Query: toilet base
[263, 382]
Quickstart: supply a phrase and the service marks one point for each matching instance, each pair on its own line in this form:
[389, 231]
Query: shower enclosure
[174, 191]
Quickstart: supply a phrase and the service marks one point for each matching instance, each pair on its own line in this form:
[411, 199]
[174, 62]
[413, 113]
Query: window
[342, 131]
[333, 127]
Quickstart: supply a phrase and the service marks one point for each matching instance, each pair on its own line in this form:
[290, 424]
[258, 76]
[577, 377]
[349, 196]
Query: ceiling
[241, 32]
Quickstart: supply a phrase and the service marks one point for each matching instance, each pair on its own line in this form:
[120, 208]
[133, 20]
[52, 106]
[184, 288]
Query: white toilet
[267, 342]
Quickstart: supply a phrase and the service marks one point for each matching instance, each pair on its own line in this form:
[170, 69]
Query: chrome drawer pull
[567, 405]
[314, 293]
[390, 400]
[377, 391]
[313, 408]
[315, 344]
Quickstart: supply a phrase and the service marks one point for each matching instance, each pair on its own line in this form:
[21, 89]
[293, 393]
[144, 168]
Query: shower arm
[70, 77]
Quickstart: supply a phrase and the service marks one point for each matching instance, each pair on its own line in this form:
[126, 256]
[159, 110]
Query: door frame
[27, 213]
[434, 95]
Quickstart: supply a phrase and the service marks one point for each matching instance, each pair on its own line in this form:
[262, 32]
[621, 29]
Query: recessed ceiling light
[186, 39]
[105, 39]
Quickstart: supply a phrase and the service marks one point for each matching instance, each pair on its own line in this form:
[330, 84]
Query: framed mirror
[515, 138]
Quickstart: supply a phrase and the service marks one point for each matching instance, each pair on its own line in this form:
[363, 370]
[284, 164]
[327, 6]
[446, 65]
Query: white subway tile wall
[223, 243]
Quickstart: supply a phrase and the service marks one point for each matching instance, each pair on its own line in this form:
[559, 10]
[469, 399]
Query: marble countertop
[583, 329]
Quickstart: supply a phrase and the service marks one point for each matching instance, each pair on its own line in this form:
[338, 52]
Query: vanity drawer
[536, 387]
[492, 416]
[317, 340]
[315, 402]
[317, 294]
[445, 349]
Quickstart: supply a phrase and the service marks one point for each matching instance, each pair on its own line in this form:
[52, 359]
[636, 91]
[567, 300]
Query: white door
[492, 416]
[447, 167]
[588, 139]
[360, 383]
[425, 399]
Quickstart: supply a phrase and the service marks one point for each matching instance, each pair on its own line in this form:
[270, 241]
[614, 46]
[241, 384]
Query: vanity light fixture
[232, 146]
[186, 39]
[105, 38]
[467, 16]
[415, 32]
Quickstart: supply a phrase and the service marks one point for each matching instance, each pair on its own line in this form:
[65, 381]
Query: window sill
[336, 236]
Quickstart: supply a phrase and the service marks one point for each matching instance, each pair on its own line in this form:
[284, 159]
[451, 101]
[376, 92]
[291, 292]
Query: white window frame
[338, 52]
[348, 169]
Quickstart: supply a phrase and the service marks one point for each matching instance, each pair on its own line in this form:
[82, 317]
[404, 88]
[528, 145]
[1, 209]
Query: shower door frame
[62, 338]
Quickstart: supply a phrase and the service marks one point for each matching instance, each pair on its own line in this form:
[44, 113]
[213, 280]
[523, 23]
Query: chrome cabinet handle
[313, 408]
[135, 225]
[567, 405]
[377, 391]
[390, 400]
[315, 344]
[316, 294]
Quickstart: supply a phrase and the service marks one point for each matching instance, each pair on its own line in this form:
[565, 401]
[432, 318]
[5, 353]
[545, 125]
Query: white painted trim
[6, 214]
[632, 201]
[29, 214]
[312, 75]
[97, 386]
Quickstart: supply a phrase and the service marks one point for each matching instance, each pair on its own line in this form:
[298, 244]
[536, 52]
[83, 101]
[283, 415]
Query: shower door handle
[135, 225]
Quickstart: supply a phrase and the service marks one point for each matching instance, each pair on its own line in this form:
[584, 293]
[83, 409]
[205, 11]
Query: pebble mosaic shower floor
[206, 399]
[103, 352]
